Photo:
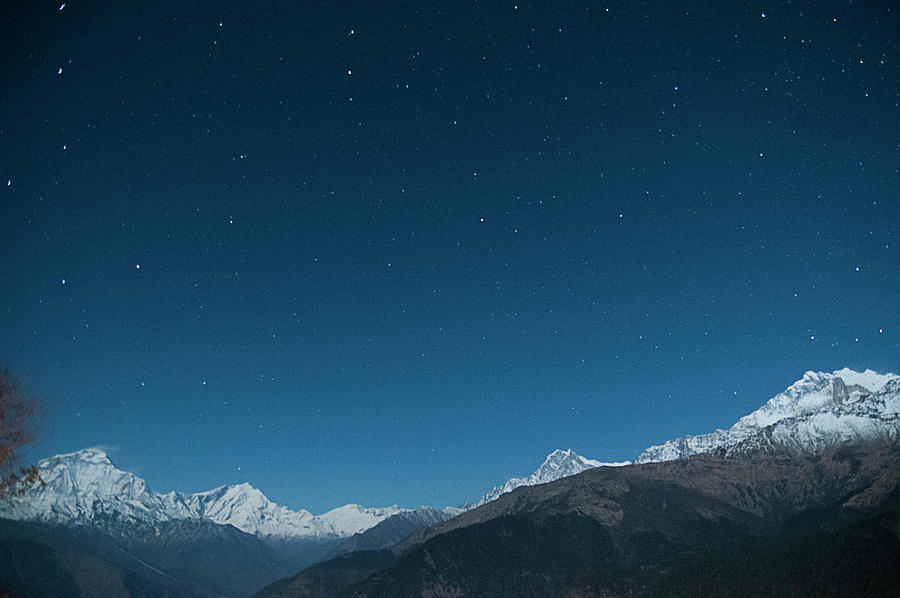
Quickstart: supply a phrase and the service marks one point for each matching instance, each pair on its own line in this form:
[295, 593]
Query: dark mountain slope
[391, 531]
[208, 558]
[621, 540]
[817, 554]
[689, 527]
[357, 557]
[180, 558]
[327, 579]
[772, 485]
[36, 563]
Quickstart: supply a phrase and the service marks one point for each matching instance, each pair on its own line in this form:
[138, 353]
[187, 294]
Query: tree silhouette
[20, 412]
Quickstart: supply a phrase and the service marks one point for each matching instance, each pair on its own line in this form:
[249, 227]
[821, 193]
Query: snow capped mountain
[392, 530]
[248, 509]
[353, 519]
[86, 488]
[817, 410]
[853, 415]
[558, 464]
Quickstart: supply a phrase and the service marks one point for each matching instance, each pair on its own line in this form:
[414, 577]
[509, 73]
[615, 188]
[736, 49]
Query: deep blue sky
[357, 253]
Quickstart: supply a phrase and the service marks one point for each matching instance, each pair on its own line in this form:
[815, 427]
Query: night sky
[358, 252]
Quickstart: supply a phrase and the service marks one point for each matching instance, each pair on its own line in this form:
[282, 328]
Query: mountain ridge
[643, 529]
[85, 487]
[810, 396]
[558, 464]
[813, 398]
[824, 416]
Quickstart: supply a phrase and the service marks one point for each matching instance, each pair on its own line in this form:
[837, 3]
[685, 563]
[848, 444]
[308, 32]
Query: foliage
[20, 412]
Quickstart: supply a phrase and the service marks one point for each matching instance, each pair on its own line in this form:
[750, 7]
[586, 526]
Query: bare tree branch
[20, 413]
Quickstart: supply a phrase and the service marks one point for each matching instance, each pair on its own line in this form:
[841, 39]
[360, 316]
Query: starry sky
[398, 252]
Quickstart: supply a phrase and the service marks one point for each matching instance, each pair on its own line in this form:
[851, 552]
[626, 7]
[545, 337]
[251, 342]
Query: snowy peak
[561, 463]
[853, 414]
[86, 488]
[242, 498]
[87, 469]
[95, 456]
[249, 510]
[353, 519]
[558, 464]
[869, 379]
[812, 392]
[819, 409]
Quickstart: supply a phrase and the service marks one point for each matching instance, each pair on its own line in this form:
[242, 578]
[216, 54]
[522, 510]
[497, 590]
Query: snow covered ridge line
[86, 488]
[558, 464]
[819, 410]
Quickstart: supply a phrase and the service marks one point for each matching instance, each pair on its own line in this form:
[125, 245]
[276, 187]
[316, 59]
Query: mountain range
[773, 523]
[86, 488]
[818, 410]
[97, 511]
[801, 498]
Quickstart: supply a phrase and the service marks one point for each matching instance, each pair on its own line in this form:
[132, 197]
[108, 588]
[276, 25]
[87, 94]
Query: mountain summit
[800, 497]
[86, 488]
[823, 436]
[819, 410]
[558, 464]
